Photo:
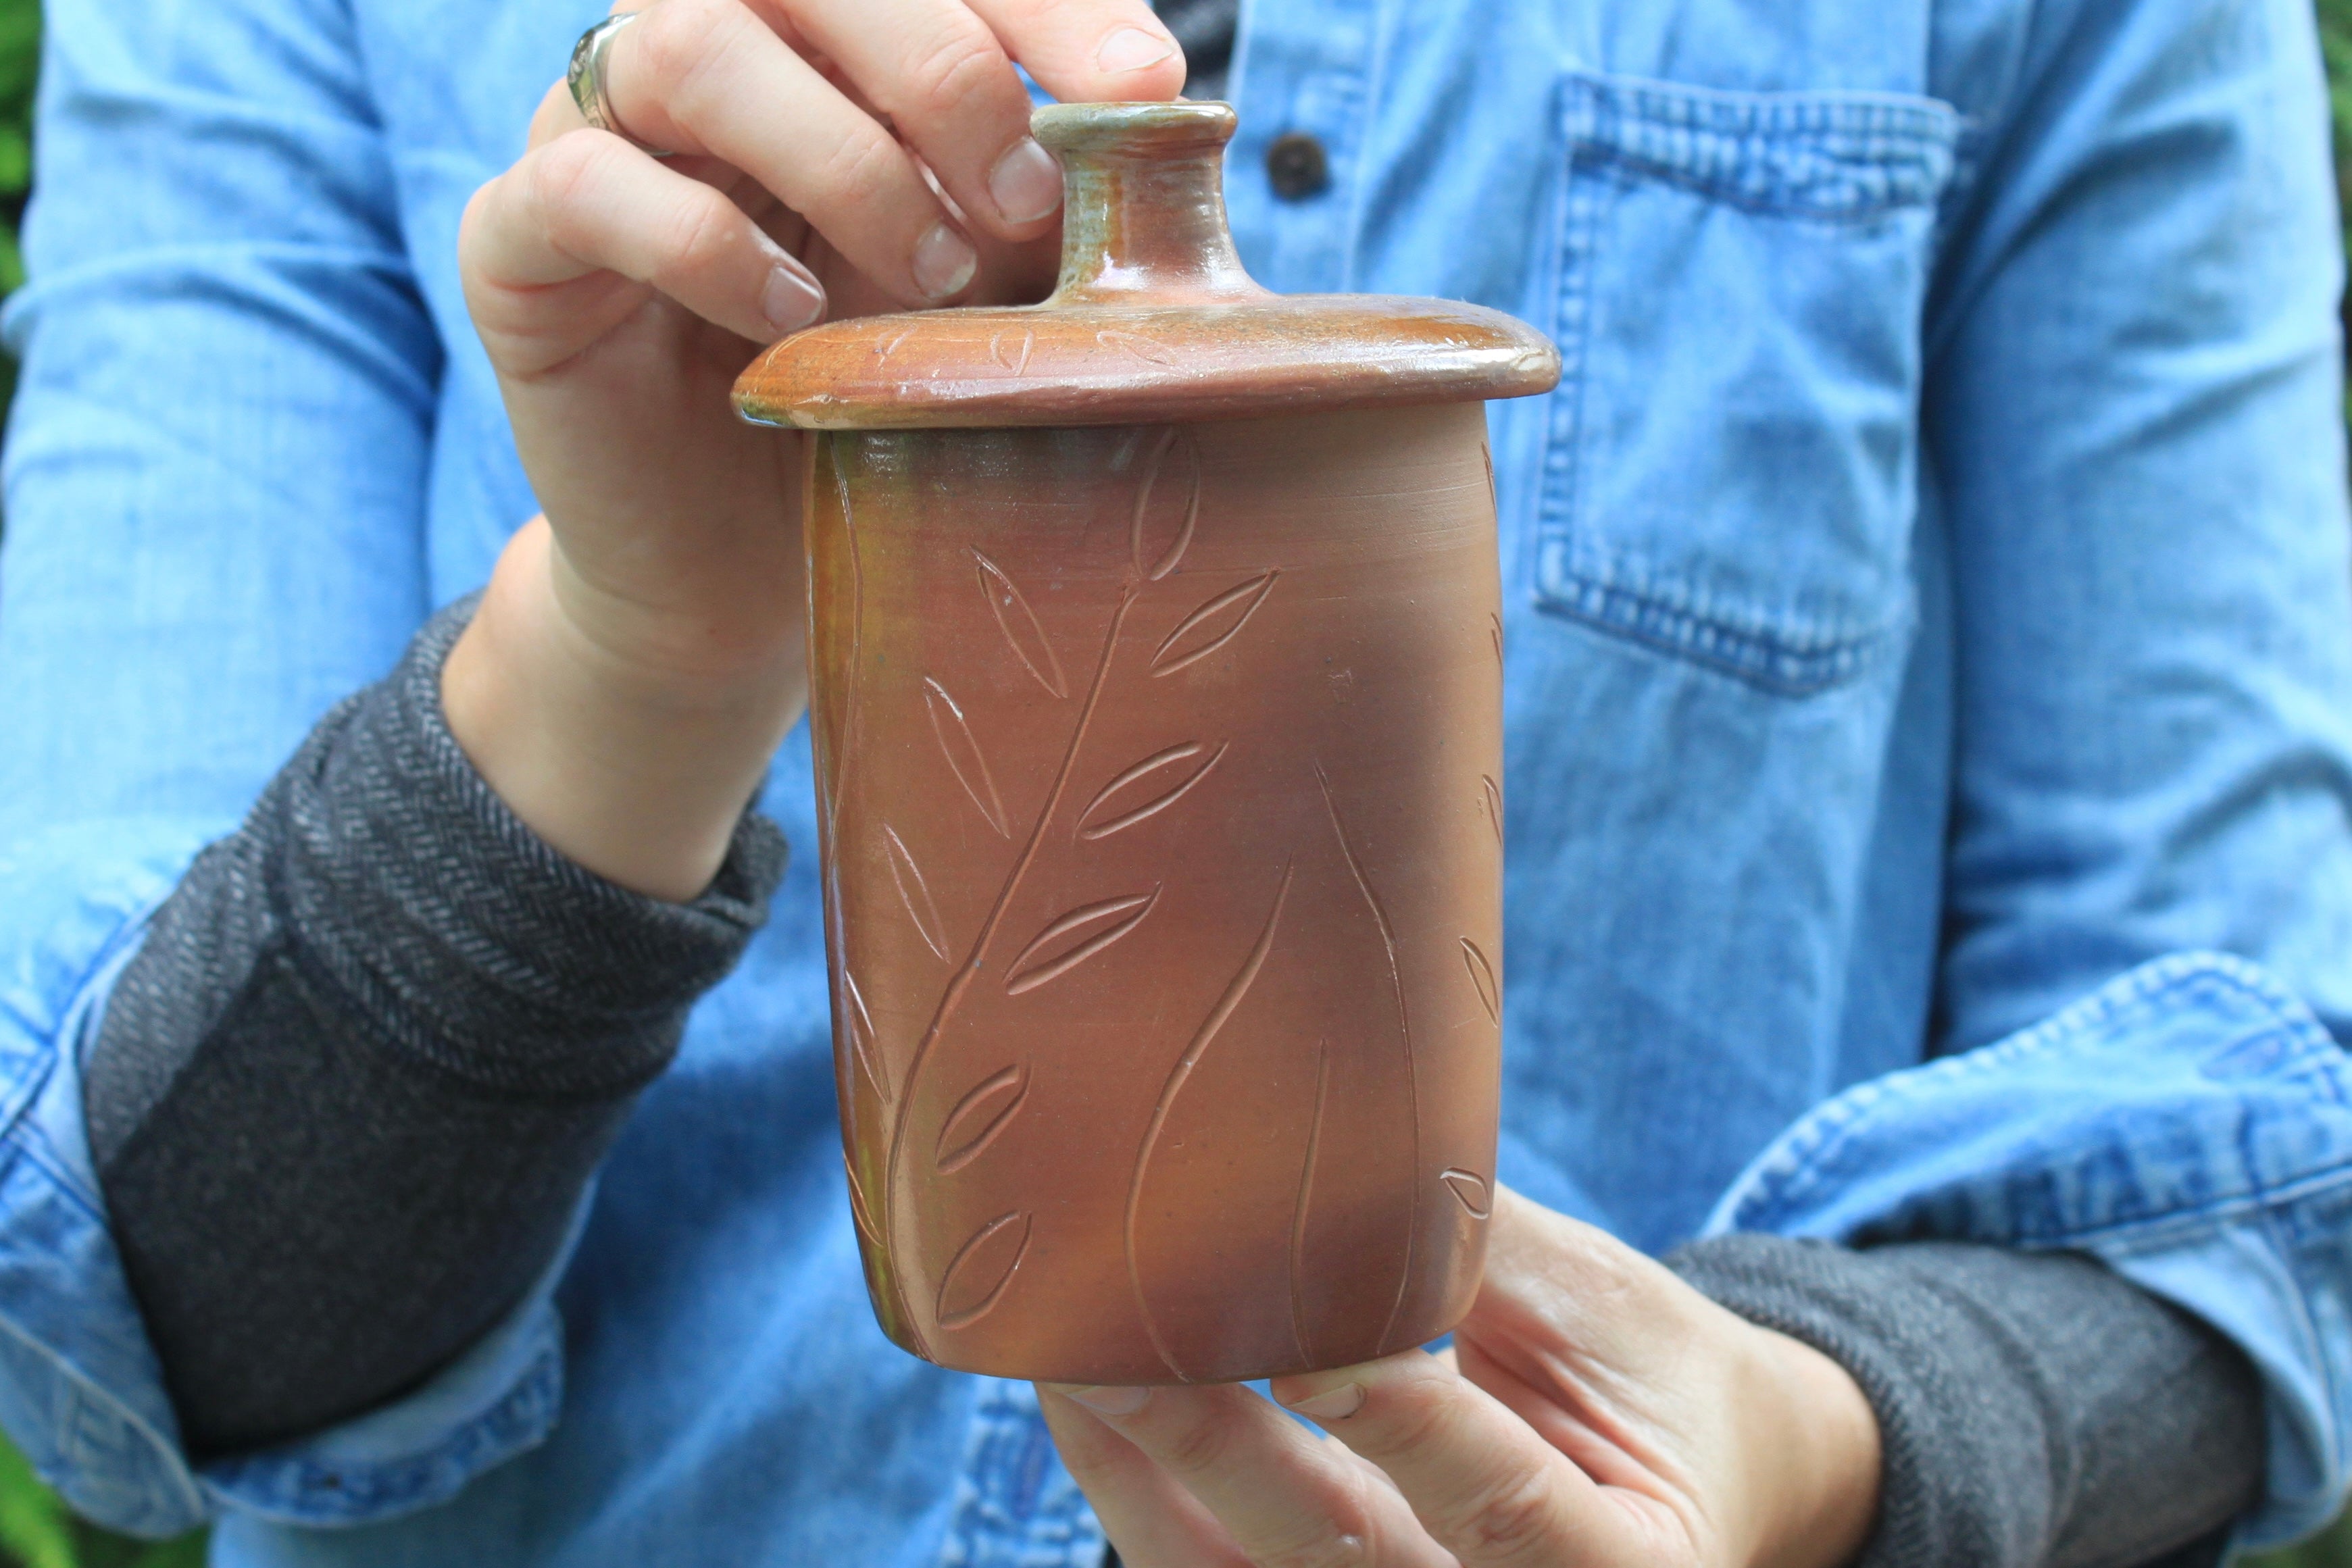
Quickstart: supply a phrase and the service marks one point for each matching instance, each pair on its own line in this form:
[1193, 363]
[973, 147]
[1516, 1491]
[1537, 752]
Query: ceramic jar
[1156, 690]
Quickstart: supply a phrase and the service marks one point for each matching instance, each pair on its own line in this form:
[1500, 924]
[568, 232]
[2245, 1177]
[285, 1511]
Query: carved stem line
[856, 642]
[836, 763]
[1404, 1028]
[956, 987]
[1235, 990]
[1298, 1212]
[835, 934]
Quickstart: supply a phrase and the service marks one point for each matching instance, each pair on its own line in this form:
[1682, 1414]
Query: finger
[1282, 1496]
[556, 114]
[710, 77]
[589, 202]
[1478, 1478]
[1099, 51]
[940, 75]
[1154, 1521]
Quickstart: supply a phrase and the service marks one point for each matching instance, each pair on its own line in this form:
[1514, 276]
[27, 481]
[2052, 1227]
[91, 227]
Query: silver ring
[586, 78]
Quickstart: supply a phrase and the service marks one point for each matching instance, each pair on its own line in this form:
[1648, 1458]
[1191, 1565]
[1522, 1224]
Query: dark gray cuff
[381, 863]
[2036, 1410]
[469, 940]
[349, 1092]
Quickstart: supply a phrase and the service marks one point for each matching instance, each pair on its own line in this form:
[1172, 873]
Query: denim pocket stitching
[1571, 290]
[1779, 153]
[1780, 666]
[1864, 156]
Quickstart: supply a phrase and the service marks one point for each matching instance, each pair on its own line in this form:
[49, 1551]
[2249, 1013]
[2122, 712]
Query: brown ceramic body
[1163, 859]
[1156, 686]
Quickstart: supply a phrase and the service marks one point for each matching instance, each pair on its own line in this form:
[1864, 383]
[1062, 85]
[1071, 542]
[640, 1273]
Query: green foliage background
[37, 1531]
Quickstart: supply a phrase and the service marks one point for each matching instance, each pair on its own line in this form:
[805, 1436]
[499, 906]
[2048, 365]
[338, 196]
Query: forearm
[2036, 1410]
[626, 735]
[347, 1096]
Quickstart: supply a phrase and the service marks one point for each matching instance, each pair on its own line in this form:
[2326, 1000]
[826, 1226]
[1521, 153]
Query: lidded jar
[1156, 686]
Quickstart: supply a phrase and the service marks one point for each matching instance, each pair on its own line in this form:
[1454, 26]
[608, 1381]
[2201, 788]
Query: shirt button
[1298, 166]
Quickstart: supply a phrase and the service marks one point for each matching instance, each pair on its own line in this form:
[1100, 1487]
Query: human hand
[638, 654]
[1603, 1414]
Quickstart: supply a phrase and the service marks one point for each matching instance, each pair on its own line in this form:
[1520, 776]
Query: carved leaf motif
[1149, 349]
[859, 1212]
[1482, 974]
[1167, 505]
[1072, 939]
[979, 1116]
[1012, 349]
[915, 893]
[1148, 789]
[862, 1038]
[1492, 794]
[1021, 626]
[964, 754]
[1213, 625]
[976, 1278]
[943, 1014]
[1471, 1188]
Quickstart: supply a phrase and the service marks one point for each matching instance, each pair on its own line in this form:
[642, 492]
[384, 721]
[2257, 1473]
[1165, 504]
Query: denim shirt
[1929, 699]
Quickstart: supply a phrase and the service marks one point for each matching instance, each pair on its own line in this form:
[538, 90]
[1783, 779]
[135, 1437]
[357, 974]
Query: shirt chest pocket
[1729, 465]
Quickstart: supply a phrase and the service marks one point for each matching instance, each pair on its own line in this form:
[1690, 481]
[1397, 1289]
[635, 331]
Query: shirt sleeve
[215, 480]
[2135, 470]
[2034, 1411]
[352, 1088]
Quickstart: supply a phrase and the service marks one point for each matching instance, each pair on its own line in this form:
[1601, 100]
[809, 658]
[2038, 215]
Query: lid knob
[1152, 321]
[1143, 204]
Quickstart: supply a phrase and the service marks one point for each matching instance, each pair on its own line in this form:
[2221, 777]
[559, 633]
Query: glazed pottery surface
[1156, 672]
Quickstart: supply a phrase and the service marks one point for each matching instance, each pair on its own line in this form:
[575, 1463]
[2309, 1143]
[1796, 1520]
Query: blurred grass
[20, 45]
[37, 1531]
[2336, 44]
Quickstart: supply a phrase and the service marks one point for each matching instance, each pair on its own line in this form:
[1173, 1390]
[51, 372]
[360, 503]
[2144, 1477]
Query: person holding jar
[1930, 644]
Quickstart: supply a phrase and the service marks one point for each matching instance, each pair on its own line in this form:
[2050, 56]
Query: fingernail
[1332, 1403]
[1110, 1401]
[1026, 183]
[791, 300]
[944, 262]
[1132, 49]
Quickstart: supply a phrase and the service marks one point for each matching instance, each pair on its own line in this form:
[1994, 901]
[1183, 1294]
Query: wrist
[625, 743]
[1817, 1458]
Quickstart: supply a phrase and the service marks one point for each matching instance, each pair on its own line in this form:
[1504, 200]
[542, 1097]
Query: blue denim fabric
[1929, 701]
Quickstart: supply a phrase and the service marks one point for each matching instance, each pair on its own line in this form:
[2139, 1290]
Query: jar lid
[1153, 320]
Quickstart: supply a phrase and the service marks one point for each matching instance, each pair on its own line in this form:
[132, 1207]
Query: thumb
[1553, 1280]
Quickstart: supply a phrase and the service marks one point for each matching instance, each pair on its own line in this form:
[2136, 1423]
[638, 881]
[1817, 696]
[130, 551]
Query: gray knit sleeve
[346, 1097]
[2036, 1409]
